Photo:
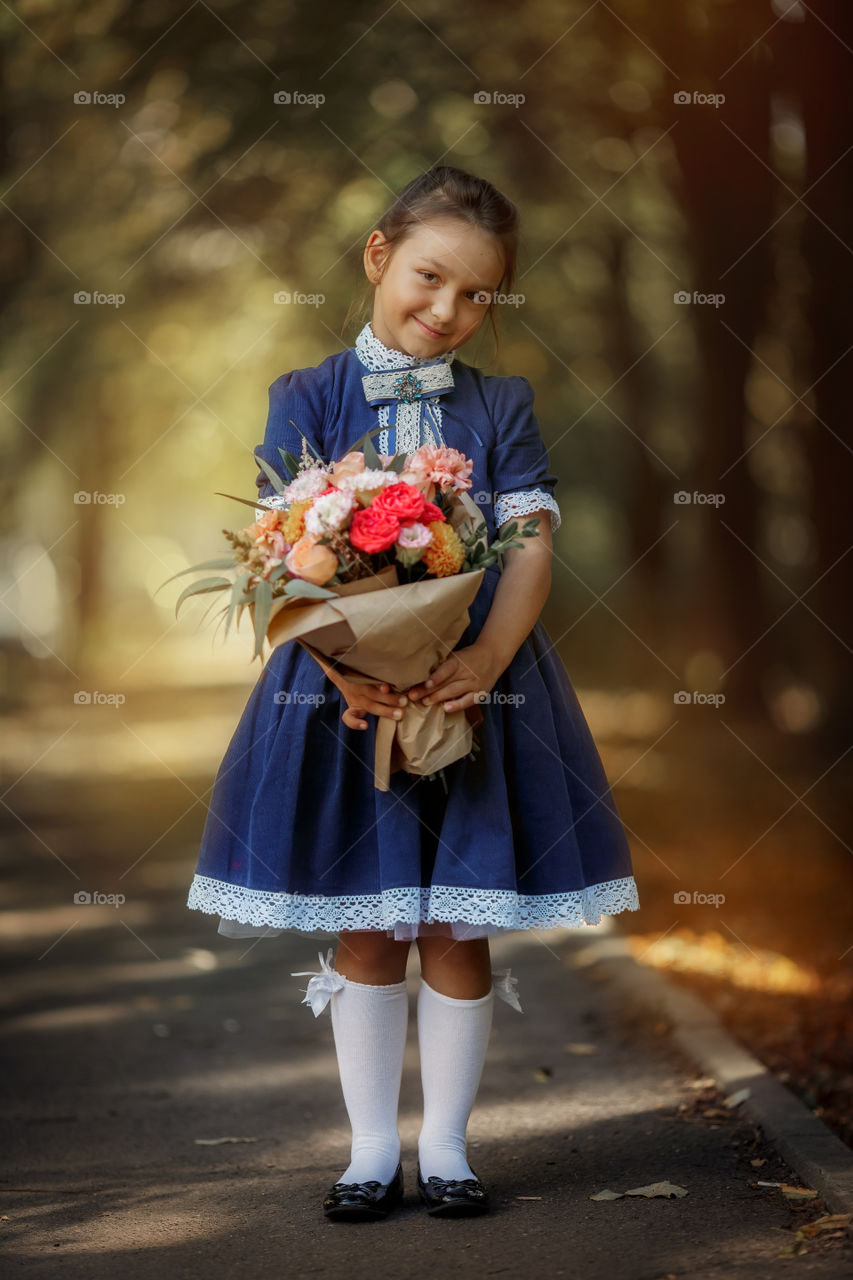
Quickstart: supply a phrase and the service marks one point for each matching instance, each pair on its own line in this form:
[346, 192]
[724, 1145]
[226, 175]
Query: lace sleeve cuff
[519, 502]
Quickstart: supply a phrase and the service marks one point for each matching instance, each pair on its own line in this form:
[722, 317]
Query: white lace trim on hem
[491, 909]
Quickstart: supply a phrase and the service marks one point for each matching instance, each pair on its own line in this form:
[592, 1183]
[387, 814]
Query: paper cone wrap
[378, 629]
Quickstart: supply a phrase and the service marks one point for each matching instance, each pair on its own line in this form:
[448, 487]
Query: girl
[526, 835]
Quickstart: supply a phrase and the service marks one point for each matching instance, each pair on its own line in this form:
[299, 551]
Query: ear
[375, 256]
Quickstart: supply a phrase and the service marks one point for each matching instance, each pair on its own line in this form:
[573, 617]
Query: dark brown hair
[443, 191]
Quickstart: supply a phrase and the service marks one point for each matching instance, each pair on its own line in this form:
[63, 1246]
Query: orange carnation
[293, 523]
[445, 555]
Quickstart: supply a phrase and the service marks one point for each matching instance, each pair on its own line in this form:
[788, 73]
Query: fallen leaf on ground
[829, 1222]
[834, 1222]
[666, 1189]
[735, 1099]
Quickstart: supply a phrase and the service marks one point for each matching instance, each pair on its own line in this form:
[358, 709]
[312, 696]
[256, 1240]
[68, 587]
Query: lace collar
[374, 355]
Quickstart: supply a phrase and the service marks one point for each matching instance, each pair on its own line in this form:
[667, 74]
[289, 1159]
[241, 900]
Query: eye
[431, 274]
[482, 297]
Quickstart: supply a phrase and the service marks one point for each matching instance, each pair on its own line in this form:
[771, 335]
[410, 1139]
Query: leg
[367, 955]
[460, 969]
[453, 1035]
[369, 1021]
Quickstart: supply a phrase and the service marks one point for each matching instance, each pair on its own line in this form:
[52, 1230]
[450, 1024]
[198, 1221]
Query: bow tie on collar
[408, 384]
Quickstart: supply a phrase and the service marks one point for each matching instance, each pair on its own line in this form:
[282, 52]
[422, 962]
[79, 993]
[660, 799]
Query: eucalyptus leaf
[299, 587]
[236, 598]
[371, 457]
[201, 588]
[263, 603]
[290, 462]
[221, 563]
[247, 502]
[273, 476]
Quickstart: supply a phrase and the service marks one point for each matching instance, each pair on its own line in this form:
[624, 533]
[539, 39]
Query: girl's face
[434, 288]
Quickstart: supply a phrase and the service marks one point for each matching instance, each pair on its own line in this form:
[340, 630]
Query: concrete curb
[821, 1159]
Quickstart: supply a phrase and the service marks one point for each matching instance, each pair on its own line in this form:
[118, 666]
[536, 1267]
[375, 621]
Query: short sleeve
[519, 471]
[296, 404]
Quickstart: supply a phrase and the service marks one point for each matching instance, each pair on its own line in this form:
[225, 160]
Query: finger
[384, 709]
[450, 667]
[453, 688]
[351, 720]
[465, 700]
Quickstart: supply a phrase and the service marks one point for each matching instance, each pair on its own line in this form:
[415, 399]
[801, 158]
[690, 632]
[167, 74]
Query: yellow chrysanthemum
[445, 554]
[293, 524]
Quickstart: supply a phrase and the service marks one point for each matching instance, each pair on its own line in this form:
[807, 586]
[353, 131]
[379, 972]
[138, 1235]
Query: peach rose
[420, 480]
[351, 464]
[311, 560]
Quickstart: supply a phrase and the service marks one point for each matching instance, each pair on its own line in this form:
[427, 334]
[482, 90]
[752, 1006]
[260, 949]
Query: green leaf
[263, 603]
[371, 457]
[246, 501]
[273, 476]
[200, 588]
[278, 572]
[397, 463]
[236, 598]
[221, 563]
[290, 462]
[299, 587]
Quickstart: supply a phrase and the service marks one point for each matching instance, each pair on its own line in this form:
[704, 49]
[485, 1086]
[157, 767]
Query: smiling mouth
[435, 332]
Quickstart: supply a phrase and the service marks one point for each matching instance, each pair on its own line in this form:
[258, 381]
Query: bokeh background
[684, 172]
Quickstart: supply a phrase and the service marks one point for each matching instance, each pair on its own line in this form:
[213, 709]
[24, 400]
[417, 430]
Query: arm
[519, 597]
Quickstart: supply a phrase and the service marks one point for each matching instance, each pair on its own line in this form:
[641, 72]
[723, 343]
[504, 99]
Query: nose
[442, 308]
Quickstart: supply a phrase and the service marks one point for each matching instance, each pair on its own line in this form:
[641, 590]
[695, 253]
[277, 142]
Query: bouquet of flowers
[372, 559]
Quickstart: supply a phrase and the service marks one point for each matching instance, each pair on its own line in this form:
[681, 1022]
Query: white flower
[331, 511]
[307, 485]
[370, 480]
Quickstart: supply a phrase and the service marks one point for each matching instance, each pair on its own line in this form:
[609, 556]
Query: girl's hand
[459, 680]
[368, 699]
[361, 699]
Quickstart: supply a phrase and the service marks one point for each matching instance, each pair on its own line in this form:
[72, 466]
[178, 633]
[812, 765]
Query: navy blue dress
[527, 836]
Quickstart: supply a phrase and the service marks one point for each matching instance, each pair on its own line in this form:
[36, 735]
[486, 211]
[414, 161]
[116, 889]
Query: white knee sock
[453, 1036]
[369, 1025]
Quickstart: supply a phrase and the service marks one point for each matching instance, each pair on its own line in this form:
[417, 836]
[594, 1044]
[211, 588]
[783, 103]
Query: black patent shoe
[363, 1201]
[453, 1197]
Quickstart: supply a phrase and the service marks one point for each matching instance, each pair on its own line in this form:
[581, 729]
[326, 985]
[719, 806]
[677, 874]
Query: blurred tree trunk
[823, 66]
[728, 199]
[649, 486]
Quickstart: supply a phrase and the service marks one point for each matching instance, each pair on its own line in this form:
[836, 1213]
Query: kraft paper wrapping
[379, 629]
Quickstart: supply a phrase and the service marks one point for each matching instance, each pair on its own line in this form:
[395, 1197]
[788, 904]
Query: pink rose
[351, 464]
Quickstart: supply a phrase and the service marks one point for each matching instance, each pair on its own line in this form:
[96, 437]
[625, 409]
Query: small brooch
[408, 388]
